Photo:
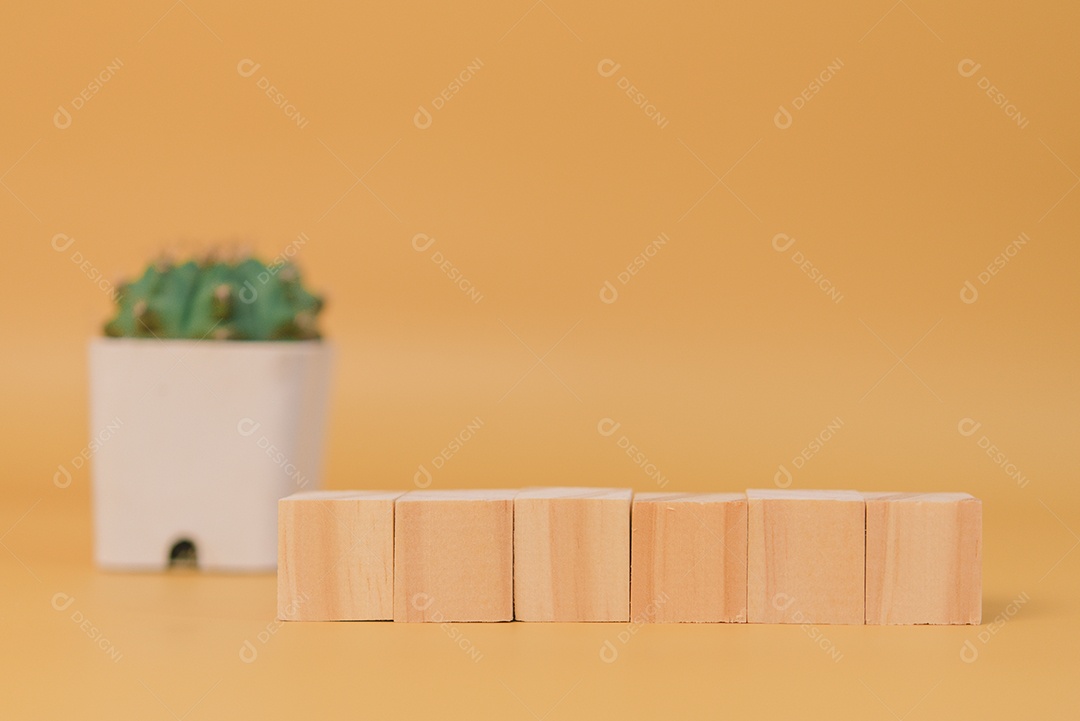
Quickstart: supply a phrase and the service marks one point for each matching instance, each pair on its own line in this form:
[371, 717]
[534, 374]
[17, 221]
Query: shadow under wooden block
[336, 556]
[453, 556]
[923, 558]
[688, 558]
[572, 554]
[805, 556]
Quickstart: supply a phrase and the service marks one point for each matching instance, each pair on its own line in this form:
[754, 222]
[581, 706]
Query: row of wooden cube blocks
[603, 554]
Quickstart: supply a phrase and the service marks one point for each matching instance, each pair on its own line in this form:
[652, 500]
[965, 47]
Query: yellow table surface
[199, 646]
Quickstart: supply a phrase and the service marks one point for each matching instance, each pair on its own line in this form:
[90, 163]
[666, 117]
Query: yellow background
[540, 180]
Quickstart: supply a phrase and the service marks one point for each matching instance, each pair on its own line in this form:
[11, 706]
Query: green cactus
[219, 300]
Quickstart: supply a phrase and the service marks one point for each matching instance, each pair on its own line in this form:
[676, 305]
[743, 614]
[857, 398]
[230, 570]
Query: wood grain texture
[572, 554]
[923, 558]
[806, 555]
[688, 554]
[453, 556]
[336, 556]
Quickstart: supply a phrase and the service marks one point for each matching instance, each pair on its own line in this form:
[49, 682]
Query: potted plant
[214, 377]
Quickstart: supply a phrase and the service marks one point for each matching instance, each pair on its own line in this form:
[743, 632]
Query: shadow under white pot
[208, 435]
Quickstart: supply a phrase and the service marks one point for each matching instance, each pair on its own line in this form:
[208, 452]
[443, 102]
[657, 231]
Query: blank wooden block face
[923, 558]
[689, 558]
[336, 556]
[454, 556]
[572, 554]
[805, 553]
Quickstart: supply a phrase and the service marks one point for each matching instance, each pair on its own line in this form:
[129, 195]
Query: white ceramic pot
[205, 437]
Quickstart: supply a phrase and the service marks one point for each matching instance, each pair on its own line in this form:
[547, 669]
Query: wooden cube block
[688, 554]
[923, 558]
[454, 556]
[572, 554]
[336, 556]
[805, 553]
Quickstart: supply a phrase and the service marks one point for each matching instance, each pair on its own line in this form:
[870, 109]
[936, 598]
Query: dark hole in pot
[183, 554]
